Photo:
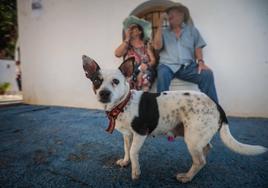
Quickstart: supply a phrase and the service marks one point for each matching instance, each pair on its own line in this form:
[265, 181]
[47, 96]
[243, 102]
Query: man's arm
[198, 54]
[157, 42]
[158, 39]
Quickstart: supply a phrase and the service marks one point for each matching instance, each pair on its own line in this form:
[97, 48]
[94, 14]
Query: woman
[137, 33]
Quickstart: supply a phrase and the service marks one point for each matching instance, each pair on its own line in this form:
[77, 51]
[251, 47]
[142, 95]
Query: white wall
[52, 45]
[8, 74]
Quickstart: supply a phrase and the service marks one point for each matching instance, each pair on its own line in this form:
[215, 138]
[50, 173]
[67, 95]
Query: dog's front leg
[127, 143]
[137, 142]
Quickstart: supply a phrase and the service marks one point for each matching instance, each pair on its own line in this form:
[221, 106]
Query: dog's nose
[105, 96]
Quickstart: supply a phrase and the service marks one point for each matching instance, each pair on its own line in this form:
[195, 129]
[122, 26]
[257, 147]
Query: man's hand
[163, 17]
[202, 66]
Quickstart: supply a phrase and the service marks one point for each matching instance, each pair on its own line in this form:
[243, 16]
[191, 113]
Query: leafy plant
[4, 87]
[8, 28]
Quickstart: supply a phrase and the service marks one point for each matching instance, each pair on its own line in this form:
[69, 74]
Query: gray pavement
[44, 146]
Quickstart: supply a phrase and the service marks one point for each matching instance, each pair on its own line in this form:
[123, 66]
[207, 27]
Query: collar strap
[112, 115]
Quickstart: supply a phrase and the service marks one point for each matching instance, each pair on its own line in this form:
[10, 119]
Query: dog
[138, 114]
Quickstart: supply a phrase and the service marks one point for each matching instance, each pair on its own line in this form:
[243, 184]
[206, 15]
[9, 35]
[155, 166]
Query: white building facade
[53, 38]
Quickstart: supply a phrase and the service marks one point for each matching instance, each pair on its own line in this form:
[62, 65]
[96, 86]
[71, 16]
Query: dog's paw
[135, 175]
[183, 178]
[122, 162]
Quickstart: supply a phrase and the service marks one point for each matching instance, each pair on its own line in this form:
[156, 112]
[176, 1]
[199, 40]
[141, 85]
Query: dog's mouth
[104, 101]
[105, 96]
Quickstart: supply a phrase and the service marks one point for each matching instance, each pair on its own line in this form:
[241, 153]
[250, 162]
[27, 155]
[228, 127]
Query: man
[18, 66]
[181, 52]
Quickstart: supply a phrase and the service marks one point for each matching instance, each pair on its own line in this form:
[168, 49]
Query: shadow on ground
[43, 146]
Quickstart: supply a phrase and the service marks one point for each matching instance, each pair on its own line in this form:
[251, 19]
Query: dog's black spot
[223, 118]
[189, 101]
[164, 93]
[182, 108]
[186, 94]
[96, 80]
[187, 116]
[168, 117]
[191, 110]
[148, 117]
[205, 110]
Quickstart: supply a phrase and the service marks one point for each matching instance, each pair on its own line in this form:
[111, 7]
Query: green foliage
[4, 87]
[8, 28]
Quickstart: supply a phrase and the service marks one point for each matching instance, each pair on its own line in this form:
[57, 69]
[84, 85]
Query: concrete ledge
[178, 84]
[10, 99]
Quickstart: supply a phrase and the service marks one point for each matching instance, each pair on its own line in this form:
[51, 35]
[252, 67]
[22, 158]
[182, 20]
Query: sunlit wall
[54, 38]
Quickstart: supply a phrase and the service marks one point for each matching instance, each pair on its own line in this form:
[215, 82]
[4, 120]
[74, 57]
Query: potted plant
[4, 87]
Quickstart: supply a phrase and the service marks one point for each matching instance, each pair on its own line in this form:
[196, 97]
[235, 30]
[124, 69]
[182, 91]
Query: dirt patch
[3, 163]
[78, 157]
[40, 157]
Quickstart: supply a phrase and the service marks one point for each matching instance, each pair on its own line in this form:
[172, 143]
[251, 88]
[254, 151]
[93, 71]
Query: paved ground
[43, 146]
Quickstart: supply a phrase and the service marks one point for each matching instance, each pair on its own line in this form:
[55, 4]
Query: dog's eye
[115, 81]
[97, 83]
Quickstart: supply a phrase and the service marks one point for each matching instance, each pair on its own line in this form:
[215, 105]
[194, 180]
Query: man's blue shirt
[181, 51]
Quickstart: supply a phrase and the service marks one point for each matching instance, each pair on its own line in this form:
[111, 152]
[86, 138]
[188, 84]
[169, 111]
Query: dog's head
[110, 86]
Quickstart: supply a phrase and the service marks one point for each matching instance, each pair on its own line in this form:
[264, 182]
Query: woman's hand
[143, 67]
[128, 34]
[149, 46]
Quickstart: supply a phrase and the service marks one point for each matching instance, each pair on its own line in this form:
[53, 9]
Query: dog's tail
[232, 143]
[238, 147]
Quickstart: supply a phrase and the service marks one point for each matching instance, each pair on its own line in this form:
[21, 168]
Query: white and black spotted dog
[138, 114]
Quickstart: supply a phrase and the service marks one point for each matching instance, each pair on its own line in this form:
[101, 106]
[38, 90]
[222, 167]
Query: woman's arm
[151, 62]
[122, 49]
[151, 55]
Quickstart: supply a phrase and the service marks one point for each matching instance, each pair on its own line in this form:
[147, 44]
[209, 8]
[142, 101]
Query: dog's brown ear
[90, 67]
[127, 67]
